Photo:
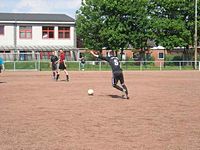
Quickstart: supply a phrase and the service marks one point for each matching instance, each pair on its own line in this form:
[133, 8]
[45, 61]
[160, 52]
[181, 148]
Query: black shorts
[117, 76]
[62, 66]
[54, 67]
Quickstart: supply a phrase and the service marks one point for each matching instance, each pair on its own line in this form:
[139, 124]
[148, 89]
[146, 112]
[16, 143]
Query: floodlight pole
[195, 36]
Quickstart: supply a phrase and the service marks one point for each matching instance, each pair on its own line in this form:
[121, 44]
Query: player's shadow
[62, 80]
[2, 82]
[115, 96]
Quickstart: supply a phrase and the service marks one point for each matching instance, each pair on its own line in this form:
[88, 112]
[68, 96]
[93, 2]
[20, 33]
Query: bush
[173, 58]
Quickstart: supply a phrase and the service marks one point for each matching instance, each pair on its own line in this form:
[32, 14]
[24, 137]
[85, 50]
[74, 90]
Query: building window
[25, 32]
[63, 32]
[47, 32]
[160, 55]
[1, 30]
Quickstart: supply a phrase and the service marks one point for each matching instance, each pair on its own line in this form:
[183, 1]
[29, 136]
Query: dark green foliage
[117, 24]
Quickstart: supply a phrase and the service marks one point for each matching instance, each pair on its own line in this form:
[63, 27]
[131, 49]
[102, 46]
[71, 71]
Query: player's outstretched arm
[99, 56]
[94, 54]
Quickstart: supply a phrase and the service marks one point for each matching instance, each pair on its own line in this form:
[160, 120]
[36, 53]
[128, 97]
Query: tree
[115, 31]
[113, 24]
[89, 24]
[168, 24]
[173, 22]
[99, 24]
[126, 23]
[140, 26]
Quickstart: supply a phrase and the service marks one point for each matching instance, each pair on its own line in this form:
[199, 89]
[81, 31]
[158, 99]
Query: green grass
[9, 65]
[20, 65]
[94, 66]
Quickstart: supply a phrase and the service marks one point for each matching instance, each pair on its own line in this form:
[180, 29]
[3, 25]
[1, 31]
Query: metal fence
[101, 65]
[141, 65]
[21, 61]
[32, 61]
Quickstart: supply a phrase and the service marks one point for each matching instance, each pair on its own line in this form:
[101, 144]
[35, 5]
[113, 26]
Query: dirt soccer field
[37, 113]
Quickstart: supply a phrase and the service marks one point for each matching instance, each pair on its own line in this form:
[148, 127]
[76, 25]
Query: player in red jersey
[62, 66]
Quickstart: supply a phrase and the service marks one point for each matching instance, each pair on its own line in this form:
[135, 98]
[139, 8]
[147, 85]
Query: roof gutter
[37, 22]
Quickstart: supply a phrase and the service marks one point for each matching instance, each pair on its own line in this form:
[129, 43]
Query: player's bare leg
[54, 75]
[117, 87]
[57, 76]
[125, 90]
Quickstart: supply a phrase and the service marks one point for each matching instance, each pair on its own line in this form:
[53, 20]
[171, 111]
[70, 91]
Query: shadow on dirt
[2, 82]
[115, 96]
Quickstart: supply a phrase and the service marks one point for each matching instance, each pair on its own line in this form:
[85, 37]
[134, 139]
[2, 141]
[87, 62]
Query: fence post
[99, 65]
[160, 66]
[39, 62]
[180, 65]
[140, 65]
[79, 65]
[36, 65]
[199, 65]
[14, 66]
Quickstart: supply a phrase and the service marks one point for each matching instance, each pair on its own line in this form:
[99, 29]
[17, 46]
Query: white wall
[8, 38]
[38, 40]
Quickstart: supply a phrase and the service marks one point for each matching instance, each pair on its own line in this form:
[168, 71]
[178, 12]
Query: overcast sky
[67, 7]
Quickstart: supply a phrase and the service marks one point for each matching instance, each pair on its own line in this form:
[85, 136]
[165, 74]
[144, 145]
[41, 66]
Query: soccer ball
[90, 92]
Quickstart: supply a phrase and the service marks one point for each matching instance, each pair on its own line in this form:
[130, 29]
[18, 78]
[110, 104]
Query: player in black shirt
[117, 73]
[54, 64]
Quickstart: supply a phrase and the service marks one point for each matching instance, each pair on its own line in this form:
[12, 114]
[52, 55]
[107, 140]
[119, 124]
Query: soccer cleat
[125, 97]
[125, 94]
[57, 77]
[67, 78]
